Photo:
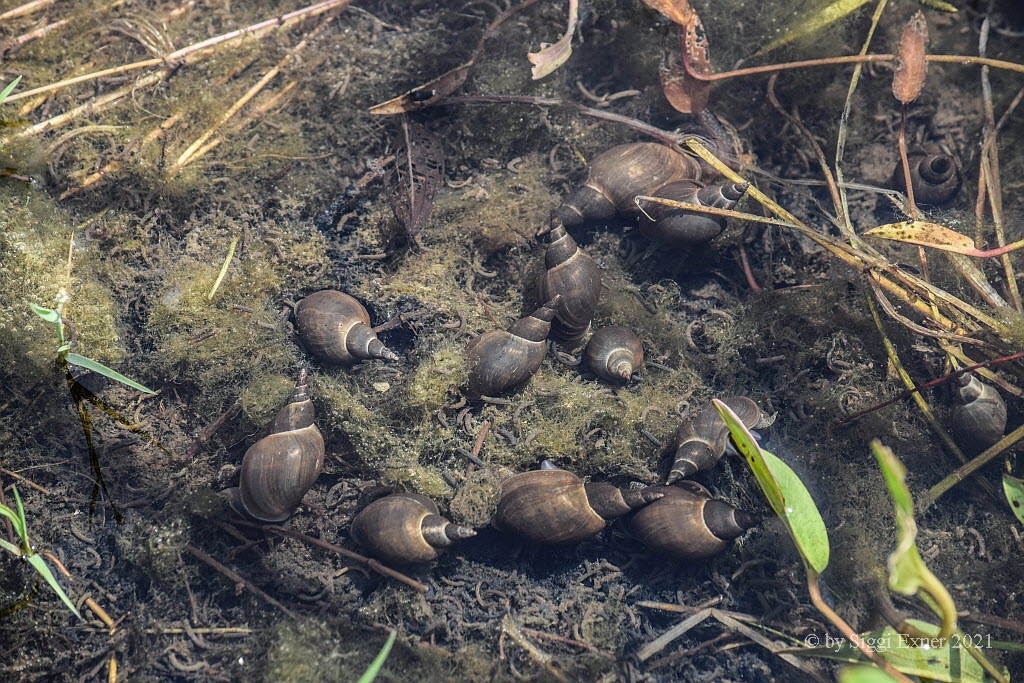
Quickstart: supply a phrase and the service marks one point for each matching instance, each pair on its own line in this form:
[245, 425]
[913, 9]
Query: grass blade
[378, 662]
[96, 366]
[40, 566]
[9, 89]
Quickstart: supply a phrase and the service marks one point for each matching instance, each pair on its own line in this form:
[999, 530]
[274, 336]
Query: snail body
[280, 468]
[573, 276]
[614, 353]
[619, 174]
[501, 359]
[979, 418]
[688, 523]
[700, 441]
[405, 528]
[552, 506]
[335, 326]
[679, 227]
[934, 175]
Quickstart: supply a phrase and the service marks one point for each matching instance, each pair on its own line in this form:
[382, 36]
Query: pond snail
[280, 468]
[934, 175]
[614, 353]
[406, 527]
[701, 440]
[335, 326]
[688, 523]
[979, 419]
[573, 276]
[674, 226]
[502, 359]
[551, 506]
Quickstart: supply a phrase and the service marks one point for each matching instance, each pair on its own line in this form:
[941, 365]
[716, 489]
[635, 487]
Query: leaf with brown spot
[678, 11]
[415, 176]
[924, 234]
[911, 67]
[685, 93]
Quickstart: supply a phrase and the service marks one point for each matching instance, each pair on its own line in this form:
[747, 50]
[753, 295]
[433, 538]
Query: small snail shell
[619, 174]
[979, 419]
[700, 441]
[335, 326]
[614, 353]
[575, 278]
[406, 527]
[686, 228]
[687, 523]
[280, 468]
[552, 506]
[501, 359]
[933, 174]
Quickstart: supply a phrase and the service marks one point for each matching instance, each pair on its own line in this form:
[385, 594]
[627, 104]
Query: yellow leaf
[814, 22]
[926, 235]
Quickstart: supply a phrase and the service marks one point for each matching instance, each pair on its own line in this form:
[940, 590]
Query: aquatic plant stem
[27, 8]
[961, 473]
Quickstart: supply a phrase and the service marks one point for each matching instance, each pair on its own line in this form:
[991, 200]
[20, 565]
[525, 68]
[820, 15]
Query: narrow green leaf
[48, 314]
[1014, 490]
[44, 571]
[378, 662]
[785, 492]
[22, 525]
[10, 547]
[862, 673]
[9, 89]
[13, 516]
[812, 22]
[96, 366]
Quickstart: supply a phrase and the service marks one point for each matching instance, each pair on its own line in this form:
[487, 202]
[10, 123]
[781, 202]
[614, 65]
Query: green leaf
[9, 89]
[862, 673]
[1014, 490]
[22, 525]
[40, 566]
[96, 366]
[786, 494]
[19, 528]
[939, 5]
[47, 314]
[944, 660]
[378, 662]
[10, 547]
[814, 22]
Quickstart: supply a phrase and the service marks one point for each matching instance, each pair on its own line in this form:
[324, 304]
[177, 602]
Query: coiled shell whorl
[503, 359]
[700, 441]
[680, 227]
[335, 326]
[614, 353]
[406, 527]
[575, 278]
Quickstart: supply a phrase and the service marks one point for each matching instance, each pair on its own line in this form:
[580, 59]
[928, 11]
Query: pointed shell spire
[406, 527]
[574, 276]
[614, 353]
[700, 441]
[335, 326]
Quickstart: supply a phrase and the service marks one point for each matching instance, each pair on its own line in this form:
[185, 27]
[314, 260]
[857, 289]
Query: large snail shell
[700, 441]
[335, 326]
[979, 419]
[687, 228]
[501, 359]
[933, 173]
[687, 523]
[552, 506]
[619, 174]
[280, 468]
[614, 353]
[406, 527]
[575, 278]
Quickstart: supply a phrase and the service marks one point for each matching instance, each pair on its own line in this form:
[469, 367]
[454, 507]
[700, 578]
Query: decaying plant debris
[297, 175]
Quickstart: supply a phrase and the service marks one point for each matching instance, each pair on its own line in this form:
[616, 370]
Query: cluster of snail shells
[979, 418]
[934, 175]
[618, 175]
[552, 506]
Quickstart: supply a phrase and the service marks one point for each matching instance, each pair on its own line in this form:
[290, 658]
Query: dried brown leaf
[685, 93]
[426, 94]
[924, 234]
[550, 57]
[415, 176]
[911, 67]
[678, 11]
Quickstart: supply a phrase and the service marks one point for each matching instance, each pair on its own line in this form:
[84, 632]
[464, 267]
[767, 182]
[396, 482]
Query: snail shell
[335, 326]
[687, 228]
[552, 506]
[933, 173]
[687, 523]
[575, 278]
[619, 174]
[406, 527]
[614, 353]
[979, 419]
[700, 441]
[501, 359]
[280, 468]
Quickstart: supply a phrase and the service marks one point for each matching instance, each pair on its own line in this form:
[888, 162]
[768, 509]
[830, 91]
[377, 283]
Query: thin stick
[961, 473]
[212, 429]
[237, 578]
[27, 8]
[28, 482]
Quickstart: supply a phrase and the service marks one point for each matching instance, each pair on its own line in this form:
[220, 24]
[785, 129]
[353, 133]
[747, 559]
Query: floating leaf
[100, 368]
[785, 492]
[1014, 490]
[375, 666]
[814, 22]
[911, 67]
[678, 11]
[551, 57]
[415, 176]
